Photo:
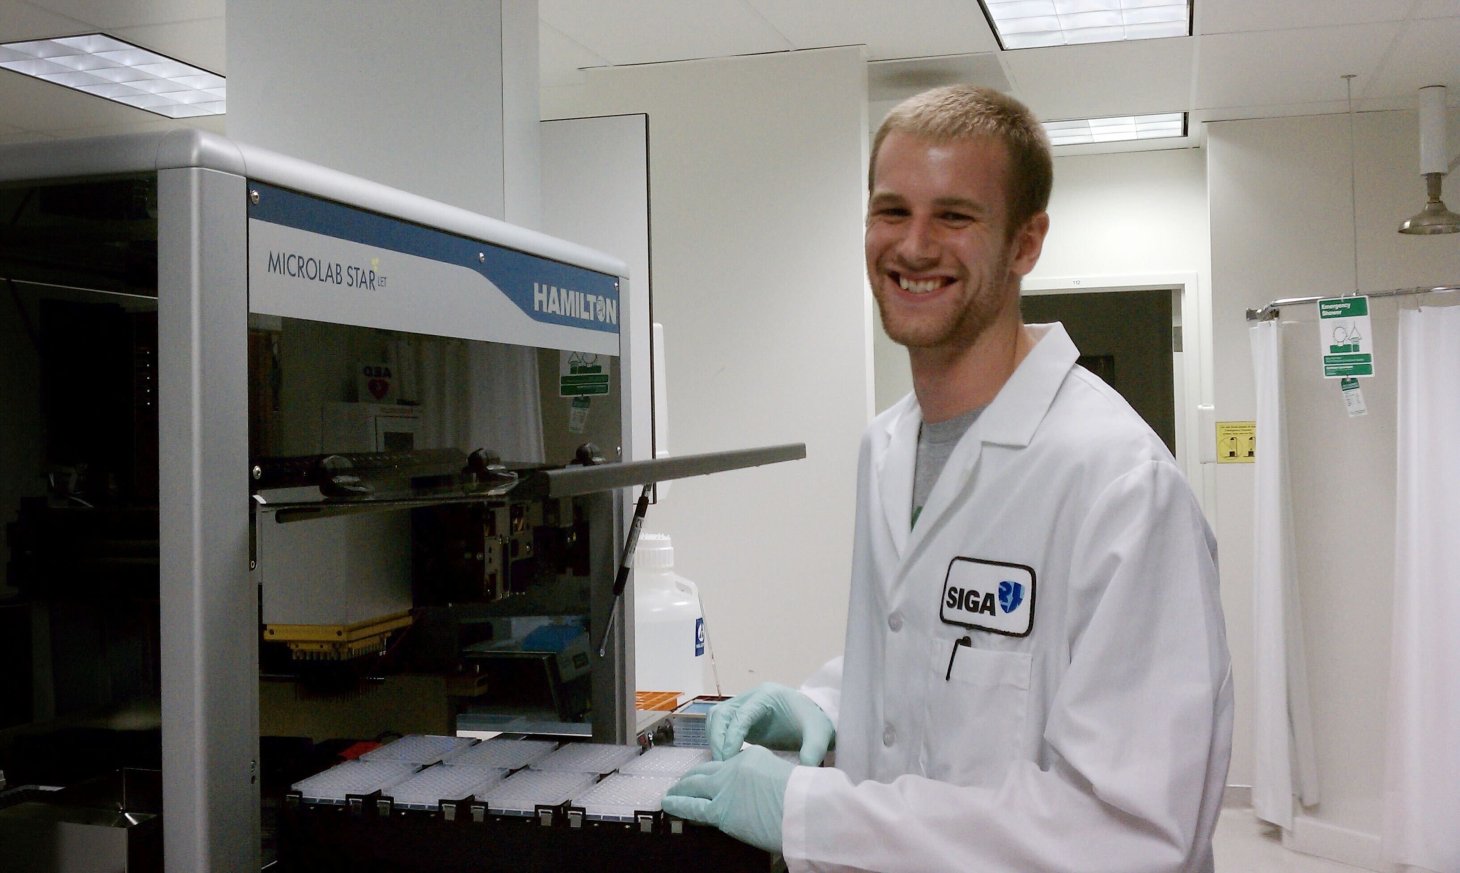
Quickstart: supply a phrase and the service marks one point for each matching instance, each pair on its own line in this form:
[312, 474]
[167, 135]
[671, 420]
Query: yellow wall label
[1236, 442]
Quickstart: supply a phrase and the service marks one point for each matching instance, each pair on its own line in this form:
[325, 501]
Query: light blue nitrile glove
[773, 716]
[744, 796]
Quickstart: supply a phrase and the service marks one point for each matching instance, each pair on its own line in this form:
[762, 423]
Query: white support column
[521, 111]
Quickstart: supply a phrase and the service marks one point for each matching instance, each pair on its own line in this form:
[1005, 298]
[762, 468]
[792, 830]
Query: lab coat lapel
[1026, 398]
[951, 481]
[1010, 420]
[895, 460]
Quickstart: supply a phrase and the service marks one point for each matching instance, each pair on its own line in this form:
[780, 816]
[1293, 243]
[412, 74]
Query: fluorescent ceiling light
[1034, 23]
[107, 67]
[1121, 129]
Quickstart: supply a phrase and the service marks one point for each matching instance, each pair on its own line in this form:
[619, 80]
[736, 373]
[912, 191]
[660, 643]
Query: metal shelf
[573, 481]
[301, 504]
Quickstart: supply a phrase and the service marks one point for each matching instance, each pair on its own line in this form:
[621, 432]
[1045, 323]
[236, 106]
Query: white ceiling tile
[560, 59]
[905, 29]
[1275, 67]
[1424, 54]
[23, 136]
[22, 21]
[1435, 9]
[898, 80]
[1257, 58]
[1276, 110]
[1322, 107]
[649, 31]
[200, 43]
[1237, 16]
[1115, 78]
[133, 13]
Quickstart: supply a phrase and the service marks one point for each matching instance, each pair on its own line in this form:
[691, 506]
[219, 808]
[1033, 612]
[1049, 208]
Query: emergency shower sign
[1344, 337]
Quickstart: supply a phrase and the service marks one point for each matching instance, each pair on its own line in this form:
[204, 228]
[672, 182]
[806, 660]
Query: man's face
[938, 252]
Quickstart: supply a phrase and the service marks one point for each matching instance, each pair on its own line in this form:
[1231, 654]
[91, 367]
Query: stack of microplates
[512, 777]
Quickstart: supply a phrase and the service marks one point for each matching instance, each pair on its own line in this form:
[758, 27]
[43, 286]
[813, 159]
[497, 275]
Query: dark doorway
[1125, 338]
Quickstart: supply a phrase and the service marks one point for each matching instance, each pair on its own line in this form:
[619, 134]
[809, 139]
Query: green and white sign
[1353, 397]
[1344, 338]
[581, 374]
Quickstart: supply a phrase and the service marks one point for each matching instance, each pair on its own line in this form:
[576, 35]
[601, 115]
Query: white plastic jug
[669, 628]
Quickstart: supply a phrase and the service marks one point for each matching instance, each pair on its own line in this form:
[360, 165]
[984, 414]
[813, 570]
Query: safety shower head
[1434, 218]
[1434, 164]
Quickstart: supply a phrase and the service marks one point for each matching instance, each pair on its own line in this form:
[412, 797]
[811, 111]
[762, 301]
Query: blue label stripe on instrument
[548, 291]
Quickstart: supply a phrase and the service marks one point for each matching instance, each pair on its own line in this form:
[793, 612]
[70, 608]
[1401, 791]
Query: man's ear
[1028, 243]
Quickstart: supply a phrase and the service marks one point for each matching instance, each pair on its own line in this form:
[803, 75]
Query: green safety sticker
[581, 374]
[1345, 340]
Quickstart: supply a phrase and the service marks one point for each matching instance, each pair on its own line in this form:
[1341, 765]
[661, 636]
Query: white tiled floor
[1245, 845]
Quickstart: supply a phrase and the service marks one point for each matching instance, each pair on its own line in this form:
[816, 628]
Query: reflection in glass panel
[443, 589]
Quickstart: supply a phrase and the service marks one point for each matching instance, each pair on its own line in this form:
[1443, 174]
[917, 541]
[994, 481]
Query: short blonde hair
[957, 112]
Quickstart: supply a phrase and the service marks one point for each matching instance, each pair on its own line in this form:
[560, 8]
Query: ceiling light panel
[1119, 129]
[107, 67]
[1037, 23]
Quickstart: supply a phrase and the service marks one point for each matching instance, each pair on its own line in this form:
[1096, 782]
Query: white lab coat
[1097, 742]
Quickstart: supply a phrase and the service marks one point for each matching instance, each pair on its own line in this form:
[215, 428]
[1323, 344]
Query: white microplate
[353, 777]
[666, 761]
[690, 722]
[418, 749]
[596, 758]
[618, 797]
[502, 754]
[432, 785]
[520, 793]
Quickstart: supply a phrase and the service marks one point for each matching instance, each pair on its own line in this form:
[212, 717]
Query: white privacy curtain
[506, 406]
[476, 395]
[1421, 826]
[1285, 766]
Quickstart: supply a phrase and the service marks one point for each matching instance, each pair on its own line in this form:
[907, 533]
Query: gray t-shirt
[935, 444]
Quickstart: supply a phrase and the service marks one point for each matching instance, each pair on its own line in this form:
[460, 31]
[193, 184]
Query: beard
[959, 329]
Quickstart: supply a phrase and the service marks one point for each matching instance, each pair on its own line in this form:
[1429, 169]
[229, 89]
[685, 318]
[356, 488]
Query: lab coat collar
[1014, 415]
[1011, 419]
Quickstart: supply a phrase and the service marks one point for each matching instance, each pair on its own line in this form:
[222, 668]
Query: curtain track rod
[1272, 310]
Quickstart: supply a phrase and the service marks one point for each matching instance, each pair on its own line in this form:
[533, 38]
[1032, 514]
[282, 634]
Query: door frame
[1193, 376]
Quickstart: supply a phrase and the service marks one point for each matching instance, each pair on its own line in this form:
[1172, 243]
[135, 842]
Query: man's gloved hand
[744, 796]
[774, 716]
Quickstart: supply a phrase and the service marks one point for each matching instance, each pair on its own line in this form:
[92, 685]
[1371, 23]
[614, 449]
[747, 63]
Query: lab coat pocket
[976, 710]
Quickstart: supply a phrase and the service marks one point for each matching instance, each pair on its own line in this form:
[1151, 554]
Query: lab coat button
[894, 621]
[889, 736]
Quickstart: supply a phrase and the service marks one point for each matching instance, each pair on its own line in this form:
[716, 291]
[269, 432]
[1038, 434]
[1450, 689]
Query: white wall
[1282, 225]
[374, 103]
[756, 176]
[1126, 214]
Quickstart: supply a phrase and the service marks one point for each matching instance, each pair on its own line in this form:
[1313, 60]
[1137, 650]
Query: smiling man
[1036, 675]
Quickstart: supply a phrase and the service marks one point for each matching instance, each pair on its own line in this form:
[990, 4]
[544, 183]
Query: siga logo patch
[995, 596]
